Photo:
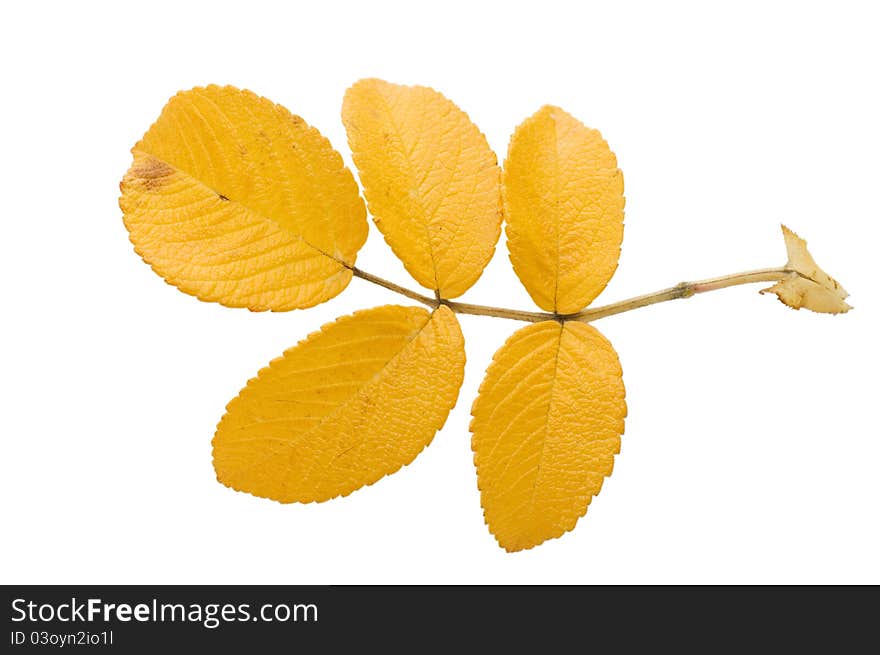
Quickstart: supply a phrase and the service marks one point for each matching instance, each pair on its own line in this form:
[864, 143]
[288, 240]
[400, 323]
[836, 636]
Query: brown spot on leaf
[151, 172]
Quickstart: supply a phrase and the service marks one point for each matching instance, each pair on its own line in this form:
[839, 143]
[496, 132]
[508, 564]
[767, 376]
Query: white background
[751, 453]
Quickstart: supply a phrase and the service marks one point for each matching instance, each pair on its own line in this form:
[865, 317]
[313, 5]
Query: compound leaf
[546, 426]
[563, 203]
[430, 179]
[233, 199]
[348, 405]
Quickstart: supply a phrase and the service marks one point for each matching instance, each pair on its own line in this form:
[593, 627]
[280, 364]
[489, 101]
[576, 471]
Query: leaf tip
[806, 285]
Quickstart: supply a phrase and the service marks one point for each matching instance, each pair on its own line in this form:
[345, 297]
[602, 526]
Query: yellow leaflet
[233, 199]
[546, 426]
[563, 202]
[348, 405]
[430, 179]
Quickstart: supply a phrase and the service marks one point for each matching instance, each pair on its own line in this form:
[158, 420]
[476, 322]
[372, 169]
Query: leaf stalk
[681, 290]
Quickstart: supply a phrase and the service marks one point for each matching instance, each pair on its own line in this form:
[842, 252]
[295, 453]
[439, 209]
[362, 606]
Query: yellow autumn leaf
[546, 426]
[346, 406]
[233, 199]
[430, 179]
[563, 203]
[808, 286]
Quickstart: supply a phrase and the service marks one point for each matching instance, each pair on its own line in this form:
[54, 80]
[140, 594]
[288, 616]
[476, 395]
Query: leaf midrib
[531, 503]
[424, 219]
[348, 401]
[285, 230]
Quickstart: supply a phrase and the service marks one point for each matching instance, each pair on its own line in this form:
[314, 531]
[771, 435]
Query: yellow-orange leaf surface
[431, 181]
[563, 203]
[348, 405]
[233, 199]
[546, 426]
